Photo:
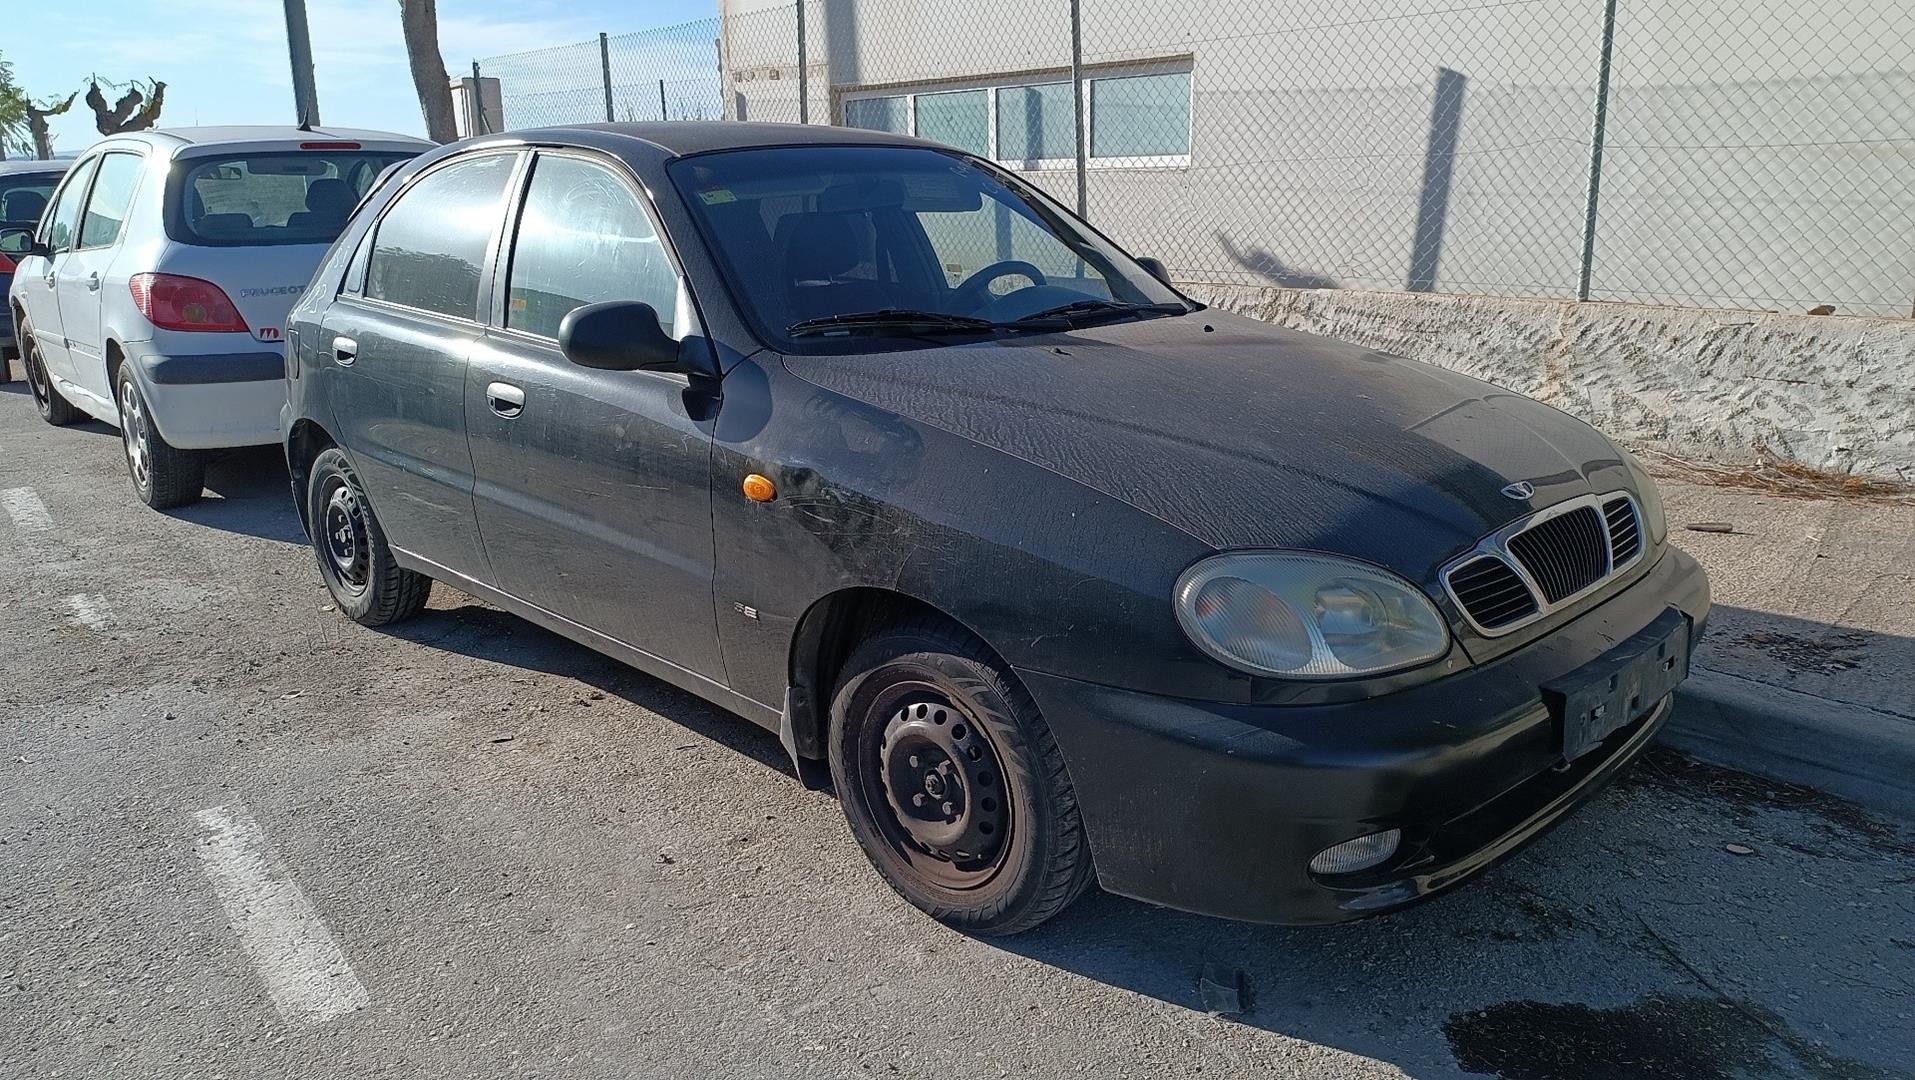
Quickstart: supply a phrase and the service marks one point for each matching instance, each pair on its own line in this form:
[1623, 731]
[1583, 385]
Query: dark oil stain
[1661, 1037]
[1665, 770]
[1829, 654]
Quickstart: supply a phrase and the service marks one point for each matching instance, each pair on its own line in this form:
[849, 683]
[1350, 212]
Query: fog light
[1359, 854]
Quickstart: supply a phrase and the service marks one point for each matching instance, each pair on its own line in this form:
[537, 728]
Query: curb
[1864, 755]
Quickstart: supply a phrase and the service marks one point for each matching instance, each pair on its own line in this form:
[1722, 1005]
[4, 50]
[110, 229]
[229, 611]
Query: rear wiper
[1102, 307]
[893, 319]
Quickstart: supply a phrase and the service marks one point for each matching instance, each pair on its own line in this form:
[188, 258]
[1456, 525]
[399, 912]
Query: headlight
[1649, 498]
[1298, 616]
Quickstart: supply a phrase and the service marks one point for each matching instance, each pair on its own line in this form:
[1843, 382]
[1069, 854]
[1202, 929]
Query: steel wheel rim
[347, 550]
[935, 786]
[134, 433]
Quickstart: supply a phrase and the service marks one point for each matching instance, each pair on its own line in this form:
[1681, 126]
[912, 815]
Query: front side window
[294, 197]
[583, 238]
[429, 251]
[62, 223]
[835, 247]
[112, 197]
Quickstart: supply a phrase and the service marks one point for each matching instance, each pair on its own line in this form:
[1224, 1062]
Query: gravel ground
[538, 863]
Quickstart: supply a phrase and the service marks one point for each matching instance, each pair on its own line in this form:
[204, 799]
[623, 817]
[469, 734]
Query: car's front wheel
[53, 408]
[952, 783]
[365, 580]
[164, 476]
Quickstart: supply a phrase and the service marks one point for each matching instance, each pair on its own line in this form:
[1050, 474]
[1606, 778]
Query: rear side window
[112, 196]
[254, 200]
[24, 198]
[583, 238]
[431, 245]
[62, 222]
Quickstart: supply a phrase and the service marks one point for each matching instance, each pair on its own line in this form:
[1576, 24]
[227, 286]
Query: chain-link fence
[1756, 154]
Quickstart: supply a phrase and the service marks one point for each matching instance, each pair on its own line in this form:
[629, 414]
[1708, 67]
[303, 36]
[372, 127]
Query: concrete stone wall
[1831, 392]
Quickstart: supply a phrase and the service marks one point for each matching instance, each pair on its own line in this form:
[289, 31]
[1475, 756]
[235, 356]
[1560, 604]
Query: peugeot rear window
[250, 200]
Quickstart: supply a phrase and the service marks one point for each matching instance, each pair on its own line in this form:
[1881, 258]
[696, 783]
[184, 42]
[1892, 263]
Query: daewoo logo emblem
[1520, 490]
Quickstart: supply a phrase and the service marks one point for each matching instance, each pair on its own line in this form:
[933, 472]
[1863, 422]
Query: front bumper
[207, 401]
[1218, 808]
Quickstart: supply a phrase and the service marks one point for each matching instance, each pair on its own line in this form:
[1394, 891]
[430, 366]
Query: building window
[1135, 118]
[891, 114]
[1035, 123]
[960, 118]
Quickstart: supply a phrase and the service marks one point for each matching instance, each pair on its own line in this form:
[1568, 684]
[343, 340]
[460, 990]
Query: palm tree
[419, 20]
[13, 114]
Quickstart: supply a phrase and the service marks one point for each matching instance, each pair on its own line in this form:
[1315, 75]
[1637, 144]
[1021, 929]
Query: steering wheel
[970, 293]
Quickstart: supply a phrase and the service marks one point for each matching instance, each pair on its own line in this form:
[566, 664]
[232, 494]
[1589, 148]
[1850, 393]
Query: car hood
[1245, 434]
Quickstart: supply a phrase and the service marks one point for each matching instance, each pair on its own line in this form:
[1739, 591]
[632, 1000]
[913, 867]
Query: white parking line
[29, 514]
[304, 970]
[90, 611]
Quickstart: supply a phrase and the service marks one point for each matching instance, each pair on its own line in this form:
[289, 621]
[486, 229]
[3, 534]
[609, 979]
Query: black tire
[163, 475]
[354, 558]
[923, 698]
[53, 408]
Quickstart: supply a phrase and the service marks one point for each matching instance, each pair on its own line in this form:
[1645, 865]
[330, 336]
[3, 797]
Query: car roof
[189, 140]
[22, 168]
[682, 137]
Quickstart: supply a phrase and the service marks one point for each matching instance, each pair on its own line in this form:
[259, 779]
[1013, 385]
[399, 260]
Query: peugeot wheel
[365, 580]
[163, 475]
[952, 783]
[53, 408]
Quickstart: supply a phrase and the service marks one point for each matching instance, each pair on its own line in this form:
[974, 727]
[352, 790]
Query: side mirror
[619, 335]
[1156, 268]
[19, 243]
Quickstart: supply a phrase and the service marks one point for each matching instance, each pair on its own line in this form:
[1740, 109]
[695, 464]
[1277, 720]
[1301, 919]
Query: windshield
[861, 247]
[24, 196]
[249, 200]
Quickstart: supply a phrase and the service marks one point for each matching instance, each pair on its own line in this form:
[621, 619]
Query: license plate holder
[1614, 690]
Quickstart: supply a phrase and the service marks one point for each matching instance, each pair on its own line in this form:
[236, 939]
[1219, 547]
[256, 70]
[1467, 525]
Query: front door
[37, 280]
[592, 488]
[84, 269]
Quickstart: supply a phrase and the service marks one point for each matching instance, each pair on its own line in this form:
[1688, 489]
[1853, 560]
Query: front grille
[1491, 592]
[1524, 571]
[1625, 532]
[1566, 554]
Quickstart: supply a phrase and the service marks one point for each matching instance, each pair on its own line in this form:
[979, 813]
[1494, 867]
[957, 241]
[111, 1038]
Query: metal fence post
[804, 75]
[605, 68]
[1595, 149]
[1077, 97]
[479, 126]
[661, 100]
[299, 46]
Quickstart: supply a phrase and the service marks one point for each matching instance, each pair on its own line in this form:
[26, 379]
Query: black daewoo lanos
[1054, 574]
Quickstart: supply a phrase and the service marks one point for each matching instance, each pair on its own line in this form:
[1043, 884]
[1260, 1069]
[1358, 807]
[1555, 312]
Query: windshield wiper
[894, 319]
[1066, 312]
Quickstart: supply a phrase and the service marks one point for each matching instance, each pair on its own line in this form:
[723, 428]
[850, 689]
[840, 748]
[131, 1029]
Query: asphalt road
[242, 837]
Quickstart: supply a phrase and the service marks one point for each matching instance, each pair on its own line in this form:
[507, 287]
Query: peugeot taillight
[175, 302]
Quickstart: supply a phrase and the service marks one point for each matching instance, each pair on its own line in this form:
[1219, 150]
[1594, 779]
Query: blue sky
[224, 61]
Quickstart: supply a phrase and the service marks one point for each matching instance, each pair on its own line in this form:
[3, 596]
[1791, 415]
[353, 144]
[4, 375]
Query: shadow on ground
[247, 492]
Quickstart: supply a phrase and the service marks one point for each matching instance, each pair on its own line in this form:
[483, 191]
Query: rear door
[399, 338]
[37, 280]
[84, 269]
[592, 488]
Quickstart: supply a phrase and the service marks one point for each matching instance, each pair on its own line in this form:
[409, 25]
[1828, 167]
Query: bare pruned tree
[419, 21]
[137, 110]
[38, 113]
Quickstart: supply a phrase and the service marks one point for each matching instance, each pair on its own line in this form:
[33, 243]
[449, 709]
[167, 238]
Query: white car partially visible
[154, 294]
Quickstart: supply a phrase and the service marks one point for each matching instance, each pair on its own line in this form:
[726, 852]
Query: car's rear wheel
[952, 783]
[365, 580]
[53, 408]
[163, 475]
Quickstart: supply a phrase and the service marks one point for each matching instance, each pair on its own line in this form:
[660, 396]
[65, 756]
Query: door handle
[93, 282]
[506, 400]
[344, 350]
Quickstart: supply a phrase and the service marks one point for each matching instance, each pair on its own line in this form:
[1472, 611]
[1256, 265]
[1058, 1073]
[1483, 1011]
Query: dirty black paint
[1661, 1037]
